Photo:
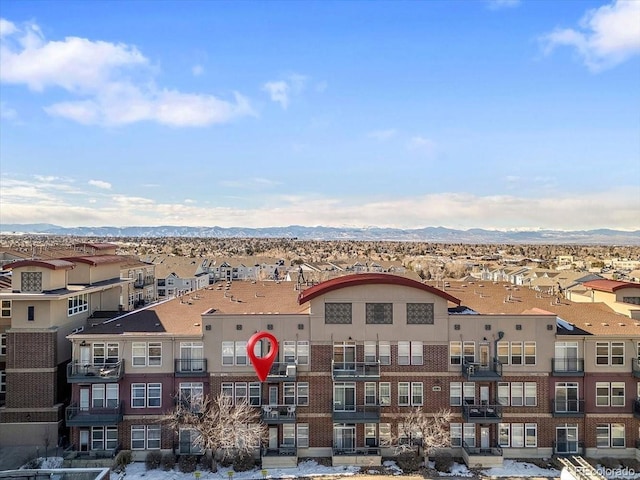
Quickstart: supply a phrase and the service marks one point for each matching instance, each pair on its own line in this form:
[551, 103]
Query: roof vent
[622, 324]
[588, 324]
[604, 324]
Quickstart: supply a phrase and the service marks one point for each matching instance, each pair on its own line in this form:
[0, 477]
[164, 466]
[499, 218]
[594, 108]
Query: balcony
[143, 283]
[357, 414]
[274, 414]
[359, 456]
[477, 372]
[191, 367]
[345, 371]
[567, 408]
[635, 367]
[95, 372]
[92, 417]
[286, 456]
[636, 408]
[282, 372]
[568, 367]
[485, 457]
[568, 448]
[482, 413]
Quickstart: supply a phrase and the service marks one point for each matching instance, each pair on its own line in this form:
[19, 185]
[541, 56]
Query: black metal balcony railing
[283, 371]
[482, 413]
[355, 370]
[567, 408]
[358, 451]
[635, 367]
[568, 366]
[95, 372]
[636, 408]
[494, 451]
[282, 451]
[356, 414]
[568, 448]
[144, 282]
[92, 416]
[479, 372]
[278, 414]
[190, 366]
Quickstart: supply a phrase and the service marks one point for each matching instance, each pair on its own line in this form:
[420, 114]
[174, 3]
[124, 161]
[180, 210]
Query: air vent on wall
[456, 326]
[270, 326]
[518, 326]
[238, 327]
[301, 326]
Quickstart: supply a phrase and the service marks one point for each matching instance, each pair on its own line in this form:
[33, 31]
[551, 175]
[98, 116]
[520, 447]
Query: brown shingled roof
[96, 259]
[609, 285]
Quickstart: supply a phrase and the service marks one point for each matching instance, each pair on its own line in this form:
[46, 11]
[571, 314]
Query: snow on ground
[310, 468]
[392, 467]
[512, 468]
[457, 470]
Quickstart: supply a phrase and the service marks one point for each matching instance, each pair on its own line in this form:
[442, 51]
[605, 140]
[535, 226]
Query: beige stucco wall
[51, 279]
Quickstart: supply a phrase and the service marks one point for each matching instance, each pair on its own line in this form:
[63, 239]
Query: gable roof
[50, 264]
[369, 279]
[610, 286]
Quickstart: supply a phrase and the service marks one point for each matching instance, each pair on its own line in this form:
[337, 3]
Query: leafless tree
[221, 427]
[419, 430]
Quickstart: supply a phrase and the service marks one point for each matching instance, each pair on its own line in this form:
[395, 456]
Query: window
[384, 353]
[226, 389]
[517, 394]
[530, 394]
[31, 313]
[504, 434]
[227, 353]
[302, 430]
[416, 353]
[191, 394]
[337, 313]
[455, 394]
[241, 353]
[503, 393]
[78, 304]
[104, 395]
[240, 393]
[295, 352]
[138, 391]
[517, 435]
[255, 393]
[5, 310]
[303, 352]
[146, 395]
[530, 435]
[469, 433]
[3, 381]
[105, 353]
[3, 343]
[610, 435]
[379, 313]
[370, 393]
[609, 353]
[370, 435]
[370, 352]
[31, 282]
[516, 353]
[186, 442]
[191, 357]
[403, 393]
[529, 353]
[384, 394]
[289, 435]
[455, 353]
[145, 437]
[104, 438]
[455, 432]
[289, 351]
[303, 393]
[610, 394]
[419, 313]
[469, 352]
[289, 393]
[154, 395]
[154, 354]
[384, 434]
[404, 353]
[469, 393]
[138, 354]
[503, 352]
[416, 393]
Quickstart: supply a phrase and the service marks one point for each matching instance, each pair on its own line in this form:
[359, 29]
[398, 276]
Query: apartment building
[524, 375]
[622, 297]
[48, 300]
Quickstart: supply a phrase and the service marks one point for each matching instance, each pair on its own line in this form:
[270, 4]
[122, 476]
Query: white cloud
[7, 113]
[383, 134]
[110, 84]
[6, 27]
[500, 4]
[607, 36]
[249, 183]
[197, 70]
[27, 201]
[422, 145]
[281, 91]
[100, 184]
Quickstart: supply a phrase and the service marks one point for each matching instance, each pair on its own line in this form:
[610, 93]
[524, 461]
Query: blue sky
[498, 114]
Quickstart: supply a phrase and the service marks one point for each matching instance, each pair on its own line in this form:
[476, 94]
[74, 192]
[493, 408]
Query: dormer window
[31, 282]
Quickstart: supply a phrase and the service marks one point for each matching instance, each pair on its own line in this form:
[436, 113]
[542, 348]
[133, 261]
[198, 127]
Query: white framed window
[138, 354]
[302, 432]
[403, 393]
[469, 351]
[191, 393]
[3, 343]
[370, 393]
[384, 434]
[416, 353]
[617, 353]
[455, 353]
[530, 435]
[295, 352]
[138, 393]
[145, 437]
[104, 438]
[241, 353]
[417, 392]
[78, 304]
[610, 394]
[108, 352]
[5, 311]
[187, 441]
[302, 392]
[289, 393]
[104, 395]
[609, 353]
[154, 354]
[226, 389]
[154, 395]
[289, 351]
[289, 435]
[3, 381]
[303, 352]
[504, 435]
[384, 353]
[455, 394]
[503, 352]
[455, 433]
[384, 393]
[610, 435]
[370, 352]
[517, 394]
[516, 353]
[469, 393]
[370, 435]
[228, 350]
[529, 353]
[517, 435]
[240, 392]
[404, 356]
[530, 394]
[469, 434]
[255, 393]
[503, 393]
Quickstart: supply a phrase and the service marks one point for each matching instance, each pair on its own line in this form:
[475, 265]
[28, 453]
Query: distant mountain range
[427, 234]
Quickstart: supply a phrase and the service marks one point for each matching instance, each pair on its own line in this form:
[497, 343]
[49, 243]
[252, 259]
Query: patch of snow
[511, 468]
[51, 462]
[457, 470]
[392, 467]
[564, 324]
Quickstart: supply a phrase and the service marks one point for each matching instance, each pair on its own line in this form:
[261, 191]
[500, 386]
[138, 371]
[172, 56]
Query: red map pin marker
[262, 365]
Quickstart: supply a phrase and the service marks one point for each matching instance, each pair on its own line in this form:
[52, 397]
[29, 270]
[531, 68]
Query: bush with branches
[168, 461]
[153, 460]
